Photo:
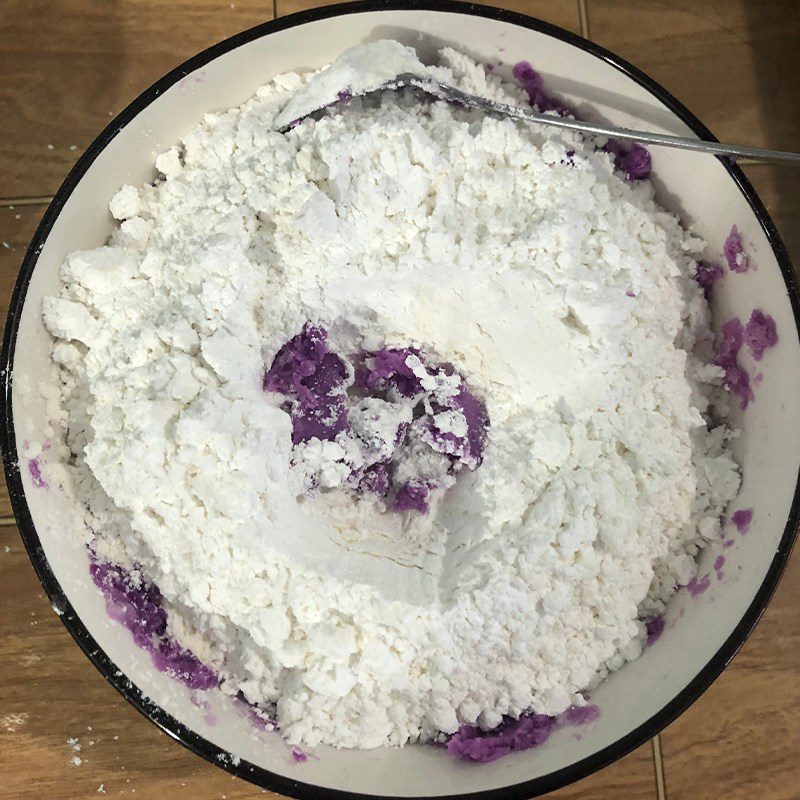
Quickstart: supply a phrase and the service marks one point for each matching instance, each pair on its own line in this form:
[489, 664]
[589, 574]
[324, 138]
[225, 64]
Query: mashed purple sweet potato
[737, 379]
[707, 275]
[324, 389]
[733, 249]
[760, 333]
[470, 743]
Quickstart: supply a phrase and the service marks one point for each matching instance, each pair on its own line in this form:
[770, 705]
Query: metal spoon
[450, 94]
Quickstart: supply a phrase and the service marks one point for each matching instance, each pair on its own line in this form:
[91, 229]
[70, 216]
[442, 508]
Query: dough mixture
[404, 412]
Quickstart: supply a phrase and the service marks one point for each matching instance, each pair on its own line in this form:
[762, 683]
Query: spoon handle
[453, 95]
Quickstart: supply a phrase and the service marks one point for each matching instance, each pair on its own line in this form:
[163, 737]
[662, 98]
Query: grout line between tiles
[658, 768]
[583, 18]
[274, 9]
[7, 202]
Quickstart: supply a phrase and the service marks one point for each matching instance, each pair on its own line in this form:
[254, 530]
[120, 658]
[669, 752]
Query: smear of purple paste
[742, 519]
[737, 379]
[137, 604]
[760, 333]
[470, 743]
[696, 587]
[654, 627]
[298, 756]
[733, 250]
[35, 470]
[719, 563]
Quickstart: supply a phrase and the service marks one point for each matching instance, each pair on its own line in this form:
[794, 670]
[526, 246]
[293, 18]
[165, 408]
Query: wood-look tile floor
[66, 67]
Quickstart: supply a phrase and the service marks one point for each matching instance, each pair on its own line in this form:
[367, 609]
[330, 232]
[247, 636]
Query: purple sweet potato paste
[533, 84]
[760, 333]
[412, 496]
[707, 275]
[654, 627]
[719, 563]
[35, 470]
[315, 379]
[742, 519]
[733, 249]
[137, 604]
[635, 163]
[697, 586]
[737, 379]
[470, 743]
[322, 391]
[388, 371]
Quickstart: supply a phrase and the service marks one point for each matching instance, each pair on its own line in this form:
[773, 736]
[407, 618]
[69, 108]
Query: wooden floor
[66, 67]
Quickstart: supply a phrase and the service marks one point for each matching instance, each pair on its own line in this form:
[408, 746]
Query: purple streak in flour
[137, 604]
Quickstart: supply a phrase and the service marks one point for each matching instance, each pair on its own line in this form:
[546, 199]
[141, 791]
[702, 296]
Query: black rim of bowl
[189, 738]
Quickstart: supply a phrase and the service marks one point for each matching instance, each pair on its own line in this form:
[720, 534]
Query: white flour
[398, 224]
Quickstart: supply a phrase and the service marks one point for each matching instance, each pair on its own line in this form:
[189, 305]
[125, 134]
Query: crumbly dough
[561, 293]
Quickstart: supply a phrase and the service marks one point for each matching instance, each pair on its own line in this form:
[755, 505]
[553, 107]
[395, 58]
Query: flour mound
[560, 293]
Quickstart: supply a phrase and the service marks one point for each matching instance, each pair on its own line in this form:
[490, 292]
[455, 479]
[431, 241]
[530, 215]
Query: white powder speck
[50, 147]
[13, 722]
[101, 789]
[395, 224]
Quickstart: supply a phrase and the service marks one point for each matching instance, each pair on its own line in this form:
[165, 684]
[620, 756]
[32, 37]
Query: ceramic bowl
[702, 633]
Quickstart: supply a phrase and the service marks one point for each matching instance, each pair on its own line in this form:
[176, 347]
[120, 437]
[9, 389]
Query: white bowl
[710, 195]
